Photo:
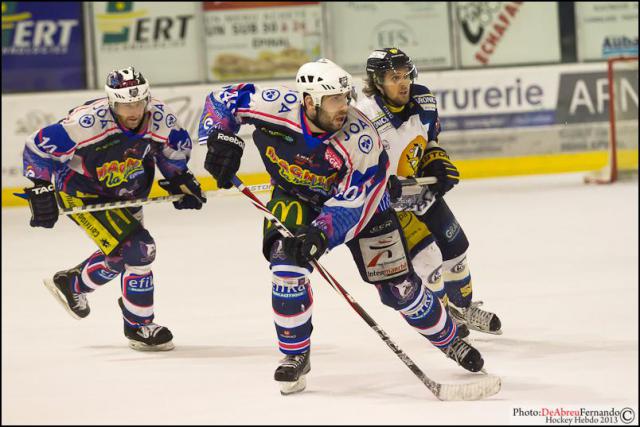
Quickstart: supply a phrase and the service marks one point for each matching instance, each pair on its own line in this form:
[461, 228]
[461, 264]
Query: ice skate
[60, 287]
[476, 318]
[464, 355]
[292, 371]
[150, 337]
[463, 331]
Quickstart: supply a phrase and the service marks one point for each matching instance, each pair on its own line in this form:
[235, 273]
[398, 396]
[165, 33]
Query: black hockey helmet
[390, 58]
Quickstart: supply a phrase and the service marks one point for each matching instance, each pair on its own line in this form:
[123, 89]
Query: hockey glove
[435, 162]
[224, 151]
[395, 188]
[42, 201]
[308, 244]
[187, 184]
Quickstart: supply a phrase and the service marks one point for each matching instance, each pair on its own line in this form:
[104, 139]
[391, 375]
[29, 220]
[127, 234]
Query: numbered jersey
[405, 134]
[88, 154]
[342, 174]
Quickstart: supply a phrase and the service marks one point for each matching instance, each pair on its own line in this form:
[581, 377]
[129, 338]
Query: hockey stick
[142, 201]
[486, 387]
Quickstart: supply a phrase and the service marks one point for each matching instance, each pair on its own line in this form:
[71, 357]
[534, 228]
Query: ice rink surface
[555, 259]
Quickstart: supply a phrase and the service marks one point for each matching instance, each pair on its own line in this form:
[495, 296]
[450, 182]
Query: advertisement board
[507, 33]
[42, 46]
[160, 39]
[420, 29]
[606, 29]
[260, 40]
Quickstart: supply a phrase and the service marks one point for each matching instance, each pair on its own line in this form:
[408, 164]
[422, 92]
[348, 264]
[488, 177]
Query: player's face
[396, 86]
[332, 114]
[130, 114]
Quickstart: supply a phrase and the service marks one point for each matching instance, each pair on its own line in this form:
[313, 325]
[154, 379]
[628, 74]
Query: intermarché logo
[124, 27]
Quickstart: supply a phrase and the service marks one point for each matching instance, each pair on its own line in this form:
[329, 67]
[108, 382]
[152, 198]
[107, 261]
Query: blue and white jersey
[88, 153]
[405, 134]
[343, 174]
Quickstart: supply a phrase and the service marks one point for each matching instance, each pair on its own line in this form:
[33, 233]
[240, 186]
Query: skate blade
[48, 283]
[145, 347]
[484, 331]
[292, 387]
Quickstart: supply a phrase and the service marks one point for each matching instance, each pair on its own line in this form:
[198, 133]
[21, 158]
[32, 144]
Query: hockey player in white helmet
[329, 171]
[406, 116]
[104, 151]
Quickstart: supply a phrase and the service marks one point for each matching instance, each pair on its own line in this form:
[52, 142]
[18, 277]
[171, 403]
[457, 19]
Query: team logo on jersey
[365, 143]
[170, 120]
[87, 120]
[270, 95]
[298, 175]
[411, 156]
[333, 158]
[115, 173]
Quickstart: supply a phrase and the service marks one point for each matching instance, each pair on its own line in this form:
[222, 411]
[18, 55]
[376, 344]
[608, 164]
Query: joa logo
[23, 34]
[124, 27]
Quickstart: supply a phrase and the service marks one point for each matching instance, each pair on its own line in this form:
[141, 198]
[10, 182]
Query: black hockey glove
[395, 188]
[435, 162]
[42, 201]
[308, 244]
[187, 184]
[224, 151]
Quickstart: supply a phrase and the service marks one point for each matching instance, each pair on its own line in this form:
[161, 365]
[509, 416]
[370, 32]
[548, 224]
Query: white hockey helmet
[126, 85]
[321, 78]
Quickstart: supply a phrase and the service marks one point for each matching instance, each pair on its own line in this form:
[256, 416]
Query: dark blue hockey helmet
[390, 58]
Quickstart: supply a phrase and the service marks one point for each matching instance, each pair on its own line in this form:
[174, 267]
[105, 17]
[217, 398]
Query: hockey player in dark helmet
[407, 119]
[403, 73]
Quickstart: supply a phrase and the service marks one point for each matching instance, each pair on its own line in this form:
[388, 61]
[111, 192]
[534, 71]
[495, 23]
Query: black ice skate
[60, 287]
[464, 354]
[150, 337]
[292, 371]
[476, 318]
[463, 331]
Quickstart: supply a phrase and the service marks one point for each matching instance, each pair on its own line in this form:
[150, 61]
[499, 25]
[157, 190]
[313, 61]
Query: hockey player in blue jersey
[106, 150]
[329, 172]
[406, 116]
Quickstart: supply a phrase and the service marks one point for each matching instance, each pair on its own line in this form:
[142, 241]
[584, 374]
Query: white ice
[556, 259]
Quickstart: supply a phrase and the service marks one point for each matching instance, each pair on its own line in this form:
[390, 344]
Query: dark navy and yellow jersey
[405, 134]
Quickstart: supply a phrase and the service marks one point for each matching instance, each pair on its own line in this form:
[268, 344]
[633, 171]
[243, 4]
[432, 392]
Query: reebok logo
[232, 139]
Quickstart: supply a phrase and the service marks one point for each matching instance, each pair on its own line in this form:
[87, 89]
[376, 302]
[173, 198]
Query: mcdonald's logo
[285, 208]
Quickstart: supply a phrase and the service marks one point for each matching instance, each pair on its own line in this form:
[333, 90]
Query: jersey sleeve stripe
[260, 113]
[98, 136]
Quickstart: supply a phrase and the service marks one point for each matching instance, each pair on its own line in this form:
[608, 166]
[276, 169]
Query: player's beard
[330, 122]
[398, 101]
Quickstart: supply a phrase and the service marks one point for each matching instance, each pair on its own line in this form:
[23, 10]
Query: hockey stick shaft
[431, 385]
[410, 182]
[147, 200]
